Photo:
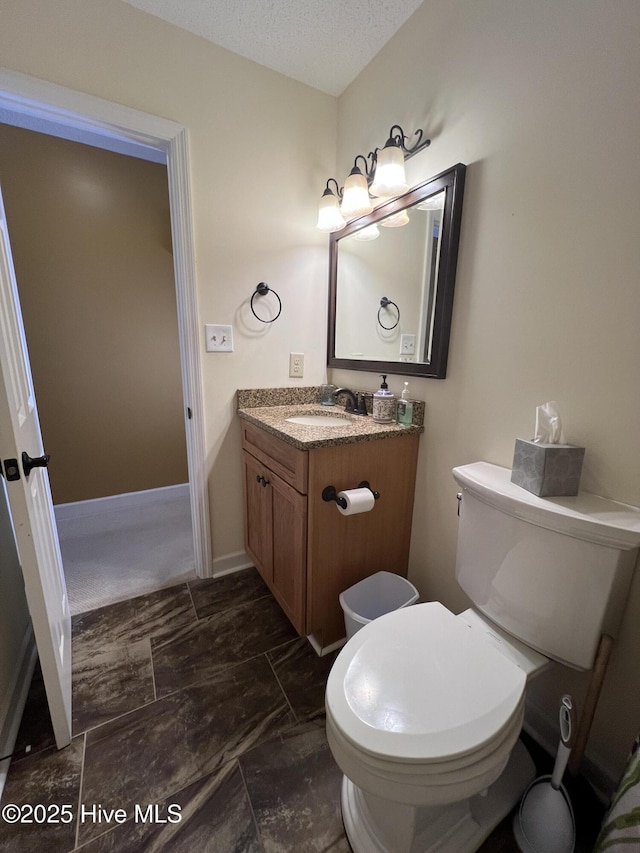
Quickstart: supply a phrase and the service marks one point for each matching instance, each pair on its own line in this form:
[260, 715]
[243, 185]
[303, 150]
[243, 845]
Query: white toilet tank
[553, 572]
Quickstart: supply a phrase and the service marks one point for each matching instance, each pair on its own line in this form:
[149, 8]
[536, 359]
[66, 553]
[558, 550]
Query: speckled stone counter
[252, 397]
[269, 409]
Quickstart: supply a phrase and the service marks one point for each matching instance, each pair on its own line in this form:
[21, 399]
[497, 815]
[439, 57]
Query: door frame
[110, 124]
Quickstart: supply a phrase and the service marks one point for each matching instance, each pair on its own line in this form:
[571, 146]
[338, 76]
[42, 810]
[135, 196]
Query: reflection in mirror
[399, 261]
[391, 282]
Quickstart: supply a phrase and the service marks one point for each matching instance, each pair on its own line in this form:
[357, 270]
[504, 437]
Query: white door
[30, 501]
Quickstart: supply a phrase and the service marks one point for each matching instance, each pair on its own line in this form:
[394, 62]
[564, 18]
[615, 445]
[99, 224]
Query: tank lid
[584, 516]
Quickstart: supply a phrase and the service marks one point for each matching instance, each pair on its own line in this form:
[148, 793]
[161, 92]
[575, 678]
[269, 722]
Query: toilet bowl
[422, 716]
[424, 708]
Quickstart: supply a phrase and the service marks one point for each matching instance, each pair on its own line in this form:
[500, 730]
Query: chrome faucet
[356, 403]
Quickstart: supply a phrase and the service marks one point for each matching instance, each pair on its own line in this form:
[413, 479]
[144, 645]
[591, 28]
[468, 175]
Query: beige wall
[261, 146]
[91, 243]
[541, 101]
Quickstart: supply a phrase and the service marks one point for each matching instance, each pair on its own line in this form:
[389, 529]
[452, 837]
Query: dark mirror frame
[453, 181]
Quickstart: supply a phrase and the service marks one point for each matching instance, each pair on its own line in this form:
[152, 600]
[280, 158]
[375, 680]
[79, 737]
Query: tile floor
[199, 699]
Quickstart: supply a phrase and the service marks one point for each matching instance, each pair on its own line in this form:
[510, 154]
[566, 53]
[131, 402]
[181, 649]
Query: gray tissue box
[547, 469]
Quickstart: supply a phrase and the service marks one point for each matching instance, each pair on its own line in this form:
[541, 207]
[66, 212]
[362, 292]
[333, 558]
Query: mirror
[391, 281]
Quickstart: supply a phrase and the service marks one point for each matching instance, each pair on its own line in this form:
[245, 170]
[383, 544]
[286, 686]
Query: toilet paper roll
[358, 500]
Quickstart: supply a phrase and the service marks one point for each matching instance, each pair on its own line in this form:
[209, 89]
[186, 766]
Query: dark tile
[302, 675]
[36, 730]
[50, 778]
[214, 595]
[501, 839]
[294, 786]
[215, 817]
[157, 615]
[201, 650]
[110, 681]
[589, 812]
[146, 755]
[587, 808]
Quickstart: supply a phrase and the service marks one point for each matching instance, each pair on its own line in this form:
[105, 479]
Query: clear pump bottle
[404, 412]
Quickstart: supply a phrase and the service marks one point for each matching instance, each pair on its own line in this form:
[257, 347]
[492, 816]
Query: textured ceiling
[323, 43]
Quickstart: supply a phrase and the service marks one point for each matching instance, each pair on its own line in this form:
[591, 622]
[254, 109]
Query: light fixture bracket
[329, 191]
[398, 139]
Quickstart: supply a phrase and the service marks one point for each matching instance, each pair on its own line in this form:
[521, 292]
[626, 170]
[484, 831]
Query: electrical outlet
[219, 338]
[296, 364]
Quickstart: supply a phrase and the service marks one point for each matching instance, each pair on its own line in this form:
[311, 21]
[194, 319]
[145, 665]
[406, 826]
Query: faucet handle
[361, 397]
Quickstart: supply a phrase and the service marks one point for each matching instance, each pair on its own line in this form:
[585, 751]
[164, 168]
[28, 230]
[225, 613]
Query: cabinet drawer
[286, 461]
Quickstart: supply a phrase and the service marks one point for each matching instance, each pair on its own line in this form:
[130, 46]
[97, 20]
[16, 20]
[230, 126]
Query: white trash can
[374, 596]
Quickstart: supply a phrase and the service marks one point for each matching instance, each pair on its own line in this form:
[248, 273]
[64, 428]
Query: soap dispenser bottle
[404, 415]
[384, 404]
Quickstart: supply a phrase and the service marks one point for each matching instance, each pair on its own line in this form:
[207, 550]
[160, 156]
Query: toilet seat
[416, 686]
[421, 784]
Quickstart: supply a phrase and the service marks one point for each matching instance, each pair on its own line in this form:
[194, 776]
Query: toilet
[424, 708]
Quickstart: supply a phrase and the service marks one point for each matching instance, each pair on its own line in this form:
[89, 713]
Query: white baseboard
[320, 650]
[14, 701]
[231, 563]
[114, 503]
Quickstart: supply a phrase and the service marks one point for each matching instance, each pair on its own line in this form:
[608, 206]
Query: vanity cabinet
[307, 551]
[276, 536]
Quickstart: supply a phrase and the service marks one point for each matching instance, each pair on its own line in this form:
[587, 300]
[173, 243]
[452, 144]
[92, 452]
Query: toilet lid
[419, 685]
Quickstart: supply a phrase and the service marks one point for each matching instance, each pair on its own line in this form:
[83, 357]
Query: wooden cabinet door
[258, 515]
[289, 584]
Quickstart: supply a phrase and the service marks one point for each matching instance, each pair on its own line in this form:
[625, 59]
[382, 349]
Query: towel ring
[384, 303]
[261, 290]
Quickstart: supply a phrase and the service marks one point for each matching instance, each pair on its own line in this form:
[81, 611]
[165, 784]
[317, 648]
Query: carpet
[123, 546]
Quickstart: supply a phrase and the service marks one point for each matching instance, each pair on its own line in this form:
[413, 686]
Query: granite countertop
[272, 416]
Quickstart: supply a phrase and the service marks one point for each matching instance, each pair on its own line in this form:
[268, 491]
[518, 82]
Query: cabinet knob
[261, 479]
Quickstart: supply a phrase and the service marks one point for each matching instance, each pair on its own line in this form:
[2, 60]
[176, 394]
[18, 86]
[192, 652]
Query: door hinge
[189, 412]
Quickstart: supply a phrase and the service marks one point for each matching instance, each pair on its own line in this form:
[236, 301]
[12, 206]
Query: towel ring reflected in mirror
[384, 303]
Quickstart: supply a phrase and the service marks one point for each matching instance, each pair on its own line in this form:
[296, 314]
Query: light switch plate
[407, 344]
[219, 338]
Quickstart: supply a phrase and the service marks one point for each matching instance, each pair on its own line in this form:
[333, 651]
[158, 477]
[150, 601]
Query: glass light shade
[329, 217]
[434, 202]
[371, 232]
[355, 198]
[397, 220]
[390, 179]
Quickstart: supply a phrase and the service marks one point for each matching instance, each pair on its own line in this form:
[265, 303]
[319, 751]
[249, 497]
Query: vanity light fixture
[396, 220]
[434, 202]
[355, 195]
[383, 177]
[329, 216]
[390, 179]
[371, 232]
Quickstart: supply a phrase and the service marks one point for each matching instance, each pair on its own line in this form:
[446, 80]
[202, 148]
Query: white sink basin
[318, 420]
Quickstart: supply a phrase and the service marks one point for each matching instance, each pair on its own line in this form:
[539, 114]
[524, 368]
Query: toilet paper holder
[329, 493]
